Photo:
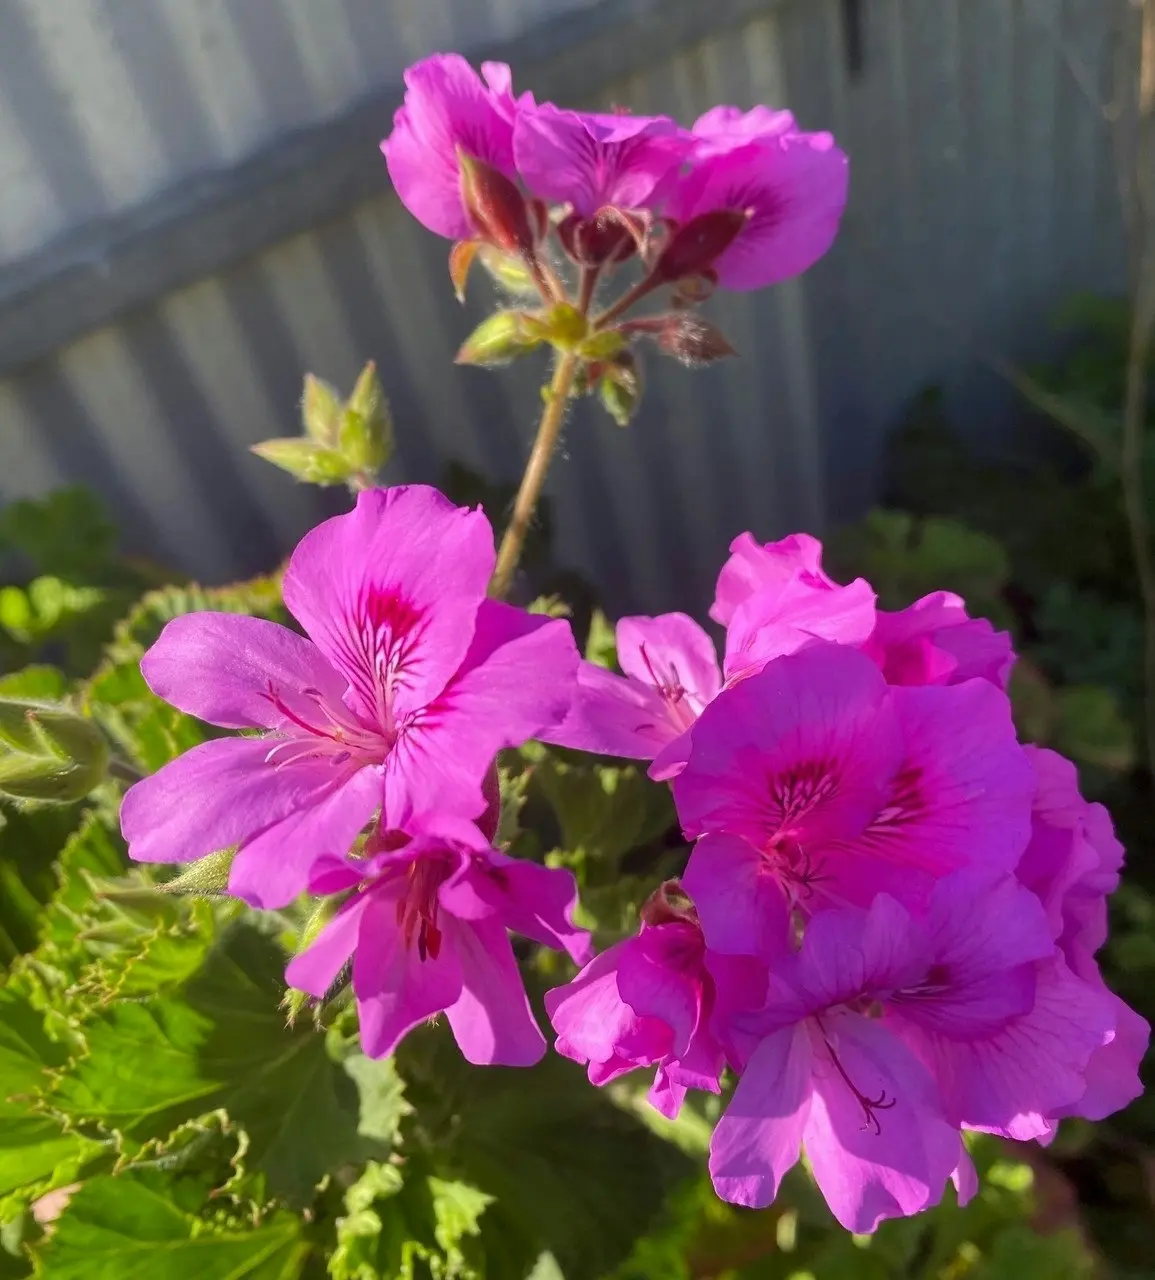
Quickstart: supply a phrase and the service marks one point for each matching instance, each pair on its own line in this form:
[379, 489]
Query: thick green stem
[525, 504]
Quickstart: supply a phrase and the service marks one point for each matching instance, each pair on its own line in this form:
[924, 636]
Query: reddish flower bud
[497, 207]
[694, 247]
[694, 341]
[611, 235]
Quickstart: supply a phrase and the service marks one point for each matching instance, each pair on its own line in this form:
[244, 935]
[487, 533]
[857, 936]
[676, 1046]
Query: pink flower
[671, 667]
[887, 1033]
[427, 930]
[813, 781]
[446, 107]
[647, 1001]
[827, 1076]
[792, 186]
[1072, 864]
[593, 161]
[671, 673]
[409, 684]
[935, 642]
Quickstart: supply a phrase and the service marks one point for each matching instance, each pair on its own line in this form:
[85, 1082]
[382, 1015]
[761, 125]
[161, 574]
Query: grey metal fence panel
[982, 193]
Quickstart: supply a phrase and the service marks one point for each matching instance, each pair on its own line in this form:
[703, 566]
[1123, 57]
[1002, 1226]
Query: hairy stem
[1138, 358]
[525, 504]
[635, 293]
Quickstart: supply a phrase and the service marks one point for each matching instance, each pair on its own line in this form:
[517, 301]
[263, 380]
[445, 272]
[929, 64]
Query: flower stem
[528, 493]
[635, 293]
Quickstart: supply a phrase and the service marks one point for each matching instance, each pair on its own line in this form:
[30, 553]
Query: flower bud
[509, 271]
[366, 438]
[48, 752]
[499, 338]
[206, 877]
[320, 411]
[496, 206]
[697, 245]
[611, 235]
[620, 388]
[692, 340]
[301, 458]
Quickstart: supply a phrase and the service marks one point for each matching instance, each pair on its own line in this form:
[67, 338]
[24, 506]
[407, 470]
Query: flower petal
[807, 746]
[215, 796]
[396, 990]
[491, 1018]
[754, 566]
[316, 968]
[758, 1139]
[742, 909]
[389, 593]
[673, 648]
[516, 680]
[228, 669]
[613, 716]
[273, 868]
[896, 1163]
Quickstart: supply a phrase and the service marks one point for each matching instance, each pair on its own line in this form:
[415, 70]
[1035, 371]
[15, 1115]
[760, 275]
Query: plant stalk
[528, 493]
[1142, 336]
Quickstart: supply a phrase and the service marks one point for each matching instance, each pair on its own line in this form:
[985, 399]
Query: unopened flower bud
[48, 752]
[509, 271]
[499, 338]
[697, 245]
[692, 340]
[301, 458]
[620, 388]
[320, 411]
[565, 326]
[611, 235]
[496, 206]
[206, 877]
[366, 438]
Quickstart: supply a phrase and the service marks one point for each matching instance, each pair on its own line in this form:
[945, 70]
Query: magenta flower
[935, 642]
[447, 107]
[815, 781]
[671, 673]
[827, 1076]
[1072, 864]
[671, 667]
[791, 185]
[409, 684]
[593, 161]
[427, 930]
[647, 1001]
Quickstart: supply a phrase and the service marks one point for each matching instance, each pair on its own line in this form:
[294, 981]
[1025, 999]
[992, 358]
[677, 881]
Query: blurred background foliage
[161, 1116]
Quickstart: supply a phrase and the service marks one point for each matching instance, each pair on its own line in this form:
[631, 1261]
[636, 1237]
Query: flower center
[321, 730]
[417, 907]
[682, 707]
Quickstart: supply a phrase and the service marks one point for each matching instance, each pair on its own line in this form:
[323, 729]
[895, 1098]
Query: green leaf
[34, 682]
[1091, 728]
[154, 1064]
[115, 1228]
[29, 843]
[569, 1172]
[604, 811]
[66, 533]
[602, 645]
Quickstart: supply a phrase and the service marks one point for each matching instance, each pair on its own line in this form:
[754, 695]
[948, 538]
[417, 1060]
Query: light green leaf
[115, 1228]
[154, 1064]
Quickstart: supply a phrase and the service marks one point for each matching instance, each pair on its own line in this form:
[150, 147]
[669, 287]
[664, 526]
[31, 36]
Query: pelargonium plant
[883, 938]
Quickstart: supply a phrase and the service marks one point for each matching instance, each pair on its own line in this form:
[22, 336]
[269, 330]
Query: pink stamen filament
[869, 1105]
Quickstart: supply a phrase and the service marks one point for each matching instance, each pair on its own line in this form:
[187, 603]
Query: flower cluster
[376, 732]
[887, 926]
[741, 200]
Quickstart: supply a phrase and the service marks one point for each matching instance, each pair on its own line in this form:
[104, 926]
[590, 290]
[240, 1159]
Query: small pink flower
[935, 642]
[593, 161]
[649, 1001]
[427, 930]
[791, 185]
[409, 684]
[447, 107]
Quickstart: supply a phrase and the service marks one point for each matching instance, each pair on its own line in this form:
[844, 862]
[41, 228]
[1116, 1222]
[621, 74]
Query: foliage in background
[161, 1115]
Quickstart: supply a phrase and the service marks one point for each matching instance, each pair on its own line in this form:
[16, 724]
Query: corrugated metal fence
[193, 212]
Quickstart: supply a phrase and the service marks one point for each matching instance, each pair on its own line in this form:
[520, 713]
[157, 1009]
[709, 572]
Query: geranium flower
[409, 684]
